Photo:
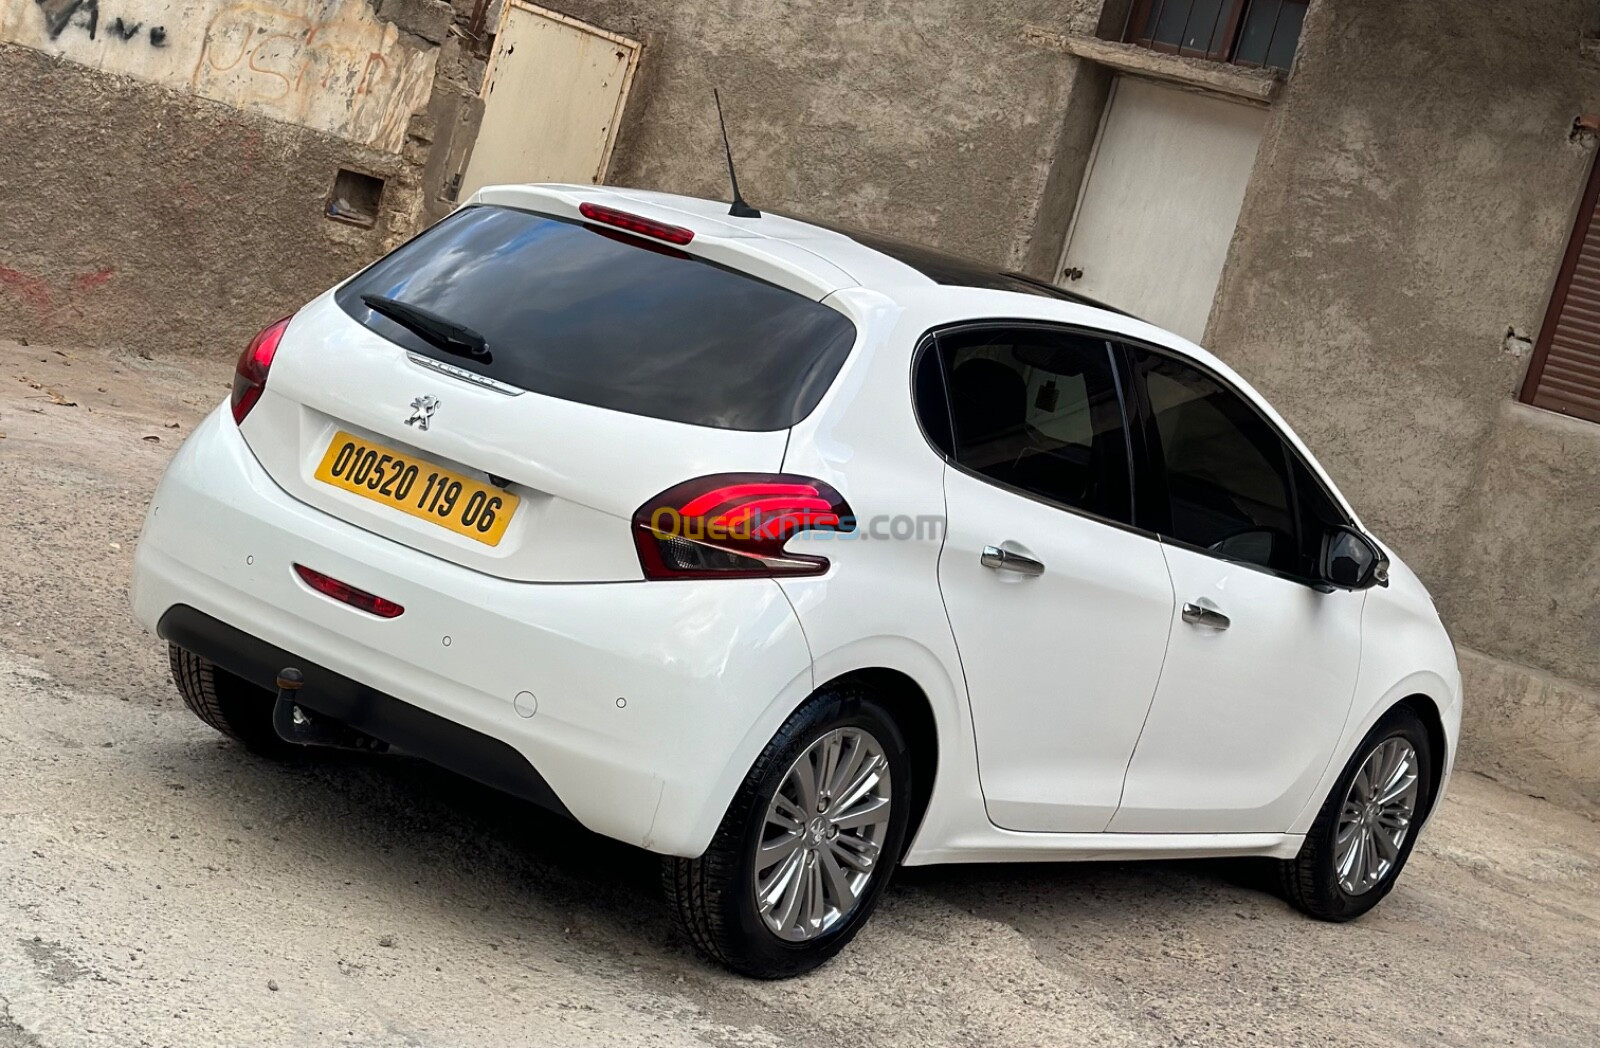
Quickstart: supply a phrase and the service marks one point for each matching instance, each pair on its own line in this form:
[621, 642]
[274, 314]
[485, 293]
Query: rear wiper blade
[446, 334]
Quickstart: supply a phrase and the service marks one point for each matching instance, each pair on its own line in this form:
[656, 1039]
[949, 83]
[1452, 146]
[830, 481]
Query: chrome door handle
[1005, 560]
[1196, 615]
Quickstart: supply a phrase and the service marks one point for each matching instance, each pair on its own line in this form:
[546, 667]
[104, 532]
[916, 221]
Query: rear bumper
[413, 729]
[643, 704]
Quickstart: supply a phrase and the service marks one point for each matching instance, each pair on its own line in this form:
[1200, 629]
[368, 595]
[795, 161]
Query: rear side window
[601, 318]
[1037, 410]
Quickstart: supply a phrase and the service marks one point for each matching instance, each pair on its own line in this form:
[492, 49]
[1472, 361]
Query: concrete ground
[159, 886]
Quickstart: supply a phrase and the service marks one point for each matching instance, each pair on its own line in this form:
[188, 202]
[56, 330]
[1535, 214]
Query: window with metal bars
[1260, 33]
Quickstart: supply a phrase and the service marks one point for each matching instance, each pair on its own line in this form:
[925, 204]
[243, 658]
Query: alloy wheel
[1378, 810]
[823, 835]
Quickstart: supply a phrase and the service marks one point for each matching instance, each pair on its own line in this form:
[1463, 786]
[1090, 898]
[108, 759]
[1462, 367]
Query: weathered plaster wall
[1526, 558]
[1410, 204]
[1531, 730]
[930, 119]
[165, 164]
[330, 65]
[135, 215]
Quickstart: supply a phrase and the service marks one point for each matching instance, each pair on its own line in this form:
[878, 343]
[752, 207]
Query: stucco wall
[166, 165]
[139, 216]
[1410, 204]
[930, 119]
[1526, 578]
[331, 65]
[1532, 730]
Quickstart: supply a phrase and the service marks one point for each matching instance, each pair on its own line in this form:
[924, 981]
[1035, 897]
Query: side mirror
[1352, 561]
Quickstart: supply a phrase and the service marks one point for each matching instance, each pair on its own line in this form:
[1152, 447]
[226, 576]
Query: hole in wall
[356, 198]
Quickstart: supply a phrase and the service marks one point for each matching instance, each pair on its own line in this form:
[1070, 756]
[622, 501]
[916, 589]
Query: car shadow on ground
[400, 817]
[437, 839]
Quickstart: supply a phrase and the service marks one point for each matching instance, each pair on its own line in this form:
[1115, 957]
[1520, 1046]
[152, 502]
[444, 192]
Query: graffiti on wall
[58, 13]
[85, 15]
[331, 65]
[316, 69]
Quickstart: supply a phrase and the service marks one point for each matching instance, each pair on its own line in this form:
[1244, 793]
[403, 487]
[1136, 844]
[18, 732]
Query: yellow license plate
[419, 488]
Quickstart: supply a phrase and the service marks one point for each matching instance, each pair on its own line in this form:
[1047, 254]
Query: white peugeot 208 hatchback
[793, 555]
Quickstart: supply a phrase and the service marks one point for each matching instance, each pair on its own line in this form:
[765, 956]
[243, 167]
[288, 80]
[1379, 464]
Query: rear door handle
[1196, 615]
[1005, 560]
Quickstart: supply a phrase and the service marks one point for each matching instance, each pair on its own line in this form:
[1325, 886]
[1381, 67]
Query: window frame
[930, 342]
[1232, 21]
[1153, 513]
[1555, 308]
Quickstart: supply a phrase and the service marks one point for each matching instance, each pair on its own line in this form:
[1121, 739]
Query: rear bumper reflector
[345, 593]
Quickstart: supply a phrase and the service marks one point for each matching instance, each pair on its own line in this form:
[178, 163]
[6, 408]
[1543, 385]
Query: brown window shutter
[1564, 375]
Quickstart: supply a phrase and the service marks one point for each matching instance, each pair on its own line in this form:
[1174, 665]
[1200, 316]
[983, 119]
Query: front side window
[1226, 470]
[1319, 516]
[1037, 410]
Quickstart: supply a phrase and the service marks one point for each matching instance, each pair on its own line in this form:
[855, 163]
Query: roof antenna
[740, 209]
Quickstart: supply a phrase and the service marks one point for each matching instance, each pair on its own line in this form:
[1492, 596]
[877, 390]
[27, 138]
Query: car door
[1261, 666]
[1060, 610]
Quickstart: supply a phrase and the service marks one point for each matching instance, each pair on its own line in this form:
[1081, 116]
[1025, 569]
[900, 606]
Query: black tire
[712, 898]
[1310, 881]
[232, 705]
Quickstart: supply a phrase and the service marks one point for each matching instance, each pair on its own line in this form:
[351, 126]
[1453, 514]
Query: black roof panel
[955, 271]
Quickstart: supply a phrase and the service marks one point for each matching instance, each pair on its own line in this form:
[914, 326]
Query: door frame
[633, 47]
[1088, 173]
[1219, 127]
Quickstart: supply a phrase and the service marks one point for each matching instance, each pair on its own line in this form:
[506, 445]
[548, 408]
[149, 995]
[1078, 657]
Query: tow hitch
[294, 723]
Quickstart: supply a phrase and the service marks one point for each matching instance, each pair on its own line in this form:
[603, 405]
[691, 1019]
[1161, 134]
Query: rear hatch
[560, 372]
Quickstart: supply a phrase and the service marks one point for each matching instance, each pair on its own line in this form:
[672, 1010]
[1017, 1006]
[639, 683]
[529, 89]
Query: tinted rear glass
[588, 315]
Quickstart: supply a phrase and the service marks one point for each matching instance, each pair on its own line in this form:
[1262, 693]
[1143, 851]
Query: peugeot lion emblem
[422, 411]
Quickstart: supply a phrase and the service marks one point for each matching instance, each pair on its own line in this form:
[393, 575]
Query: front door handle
[1005, 560]
[1196, 615]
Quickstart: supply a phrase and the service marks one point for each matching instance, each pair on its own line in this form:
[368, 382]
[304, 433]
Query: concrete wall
[1410, 204]
[1409, 207]
[137, 216]
[165, 165]
[1526, 578]
[330, 65]
[936, 120]
[1531, 730]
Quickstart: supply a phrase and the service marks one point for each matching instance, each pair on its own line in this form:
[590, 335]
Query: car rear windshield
[599, 317]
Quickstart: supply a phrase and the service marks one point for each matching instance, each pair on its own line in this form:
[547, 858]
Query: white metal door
[1060, 667]
[1161, 201]
[552, 97]
[1246, 717]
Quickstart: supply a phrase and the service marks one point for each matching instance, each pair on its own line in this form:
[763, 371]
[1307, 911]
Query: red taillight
[648, 227]
[735, 525]
[348, 594]
[250, 374]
